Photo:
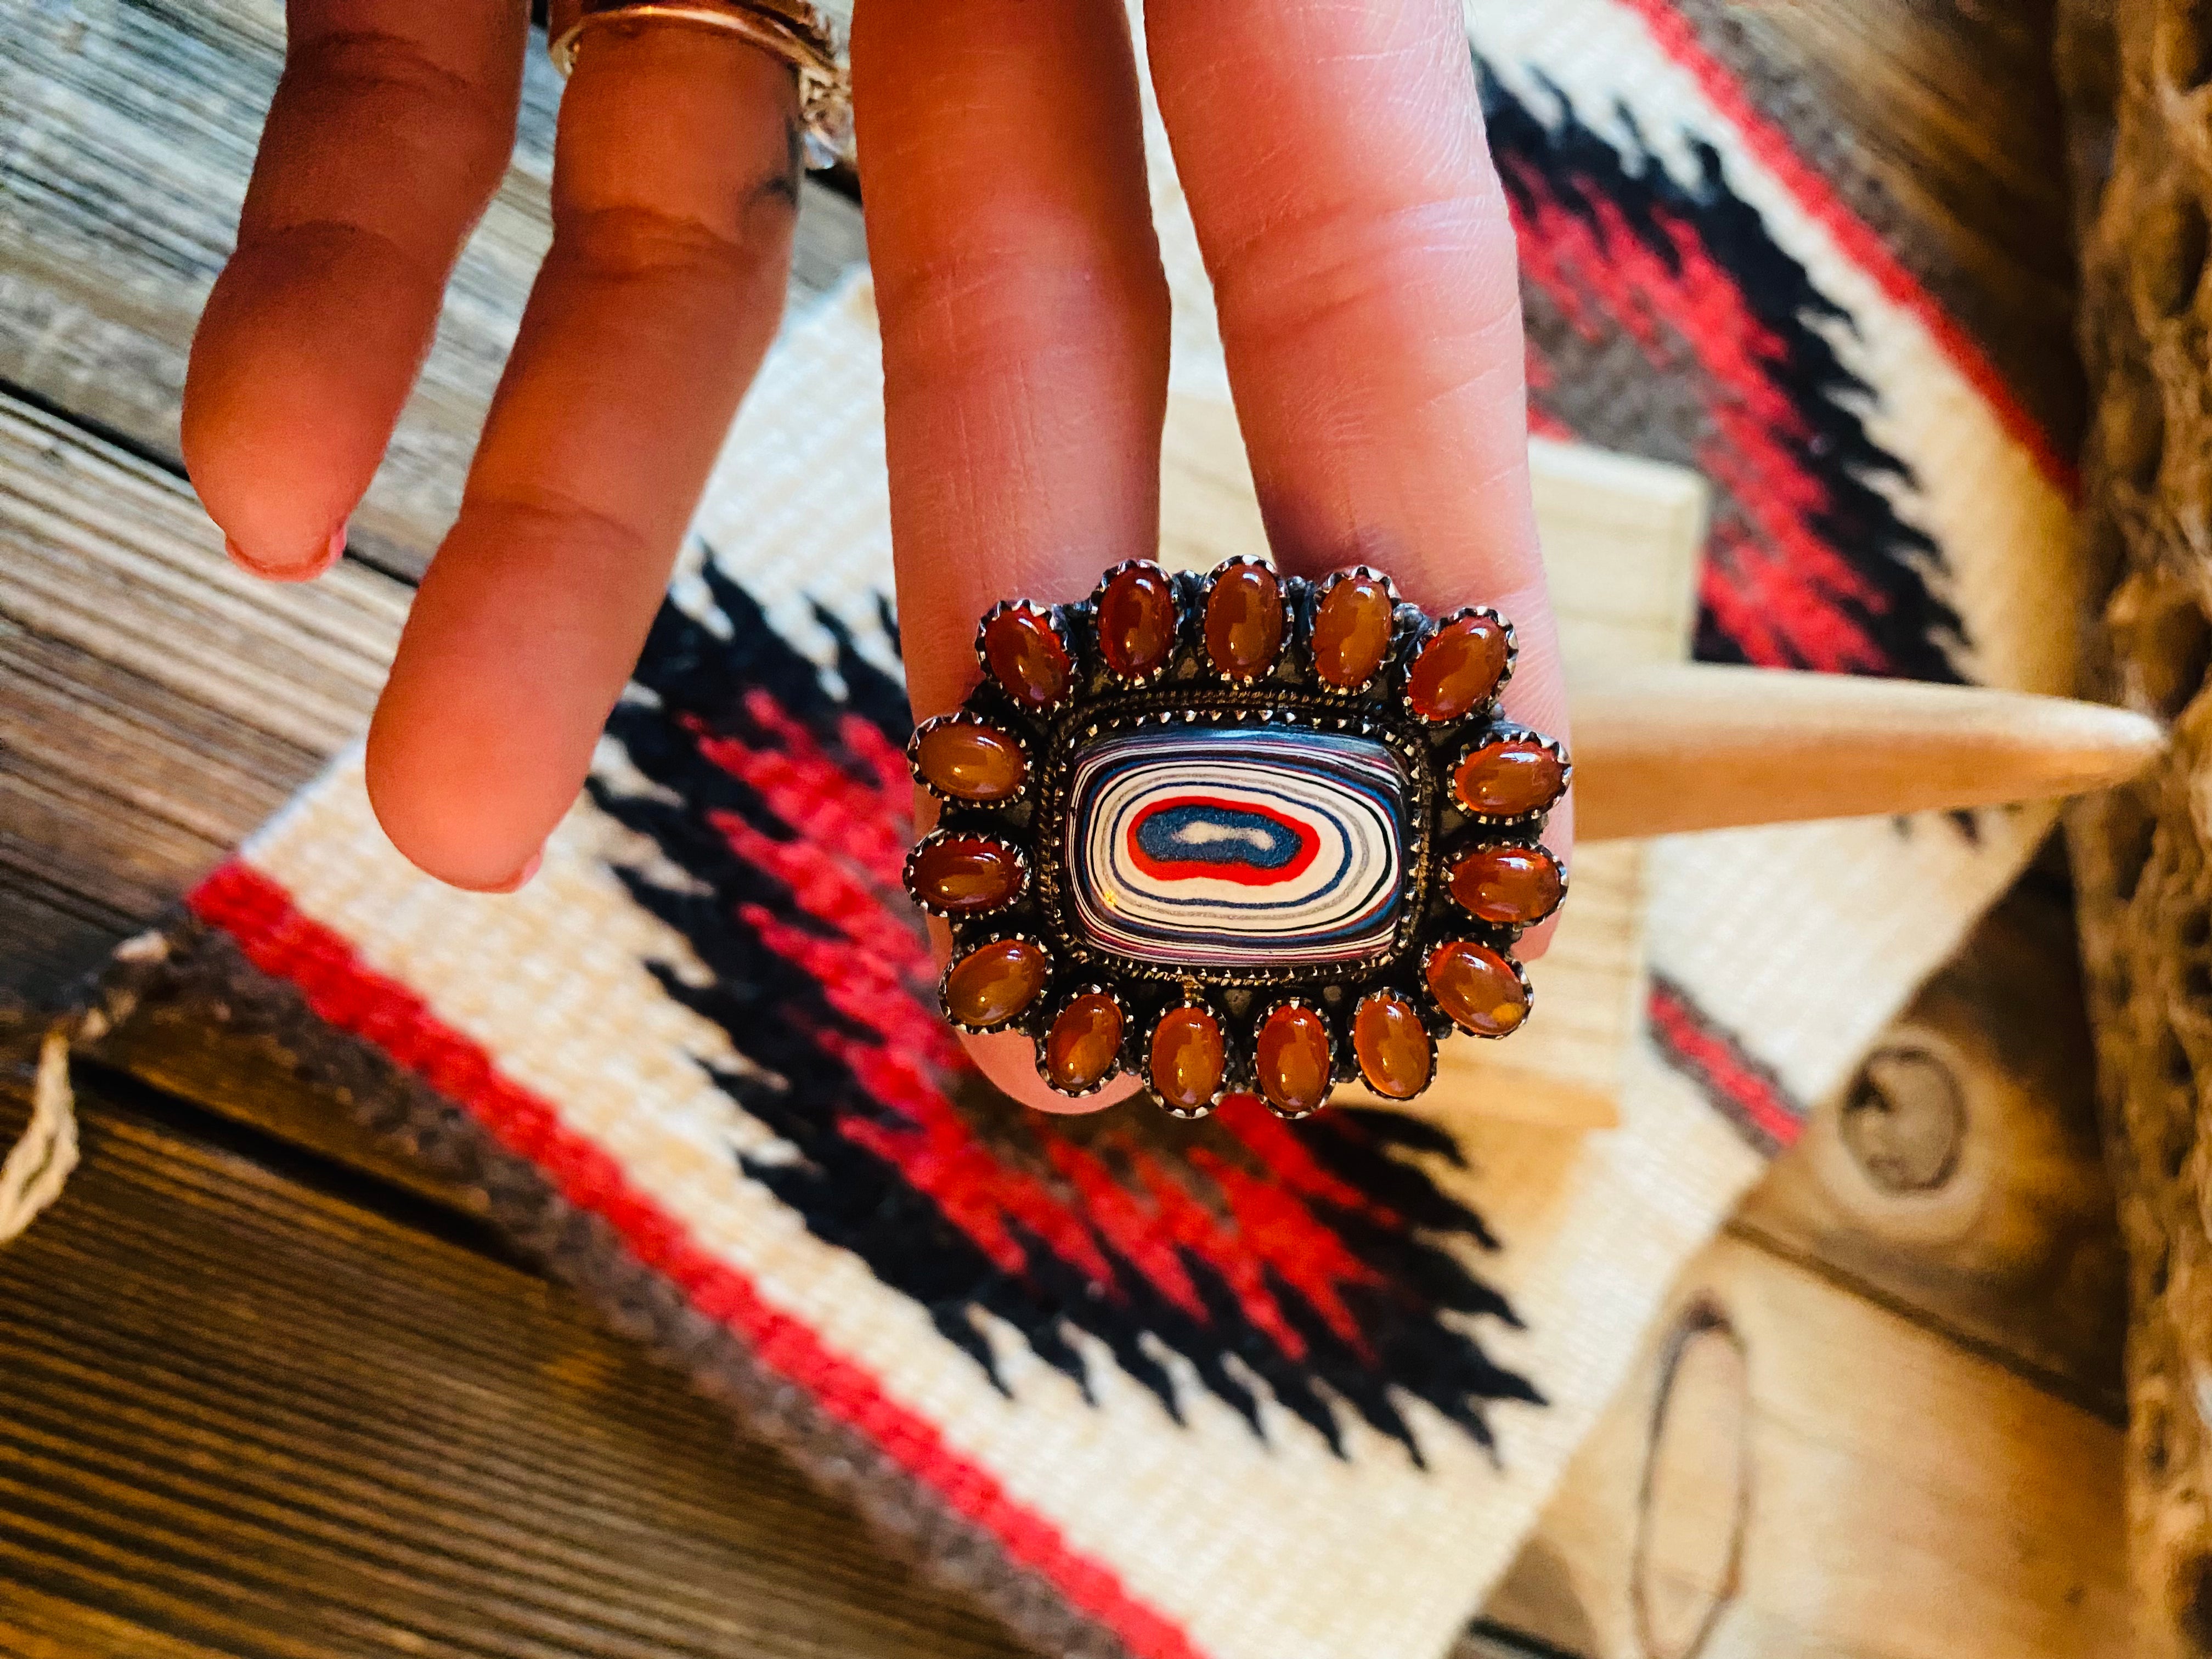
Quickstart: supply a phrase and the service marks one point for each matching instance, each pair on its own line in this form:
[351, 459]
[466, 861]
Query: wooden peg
[1663, 748]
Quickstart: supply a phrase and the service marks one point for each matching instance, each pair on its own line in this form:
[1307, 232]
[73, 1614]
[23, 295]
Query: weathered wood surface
[1913, 1327]
[1792, 1469]
[155, 702]
[2137, 80]
[243, 1414]
[1960, 1177]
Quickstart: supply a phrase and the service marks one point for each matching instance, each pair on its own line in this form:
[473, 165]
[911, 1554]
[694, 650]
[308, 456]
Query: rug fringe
[40, 1163]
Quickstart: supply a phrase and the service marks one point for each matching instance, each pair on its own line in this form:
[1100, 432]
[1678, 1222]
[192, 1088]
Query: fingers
[1024, 311]
[1365, 270]
[390, 129]
[676, 181]
[1026, 325]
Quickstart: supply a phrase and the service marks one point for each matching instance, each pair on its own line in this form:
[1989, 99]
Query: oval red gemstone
[1352, 631]
[1081, 1047]
[1293, 1052]
[1512, 886]
[966, 875]
[1137, 622]
[1393, 1046]
[992, 983]
[970, 763]
[1187, 1058]
[1244, 620]
[1459, 668]
[1477, 988]
[1027, 658]
[1508, 777]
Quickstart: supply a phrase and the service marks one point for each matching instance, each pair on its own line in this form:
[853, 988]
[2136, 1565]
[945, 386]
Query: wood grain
[1793, 1470]
[241, 1416]
[1675, 748]
[155, 702]
[1960, 1178]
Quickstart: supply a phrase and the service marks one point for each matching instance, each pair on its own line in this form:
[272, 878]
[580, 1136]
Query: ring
[1237, 832]
[793, 32]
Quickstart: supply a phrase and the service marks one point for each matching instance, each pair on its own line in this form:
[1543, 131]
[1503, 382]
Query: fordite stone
[1458, 668]
[1027, 658]
[1244, 620]
[970, 762]
[1512, 886]
[1291, 1055]
[966, 875]
[1392, 1045]
[1080, 1048]
[1188, 1059]
[994, 982]
[1137, 622]
[1477, 988]
[1132, 818]
[1508, 778]
[1352, 631]
[1230, 846]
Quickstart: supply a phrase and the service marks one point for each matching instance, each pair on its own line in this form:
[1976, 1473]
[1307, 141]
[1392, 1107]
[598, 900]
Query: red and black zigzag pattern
[1316, 1261]
[1665, 320]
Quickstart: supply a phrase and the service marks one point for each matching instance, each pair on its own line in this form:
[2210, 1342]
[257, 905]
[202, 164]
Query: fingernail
[521, 878]
[289, 570]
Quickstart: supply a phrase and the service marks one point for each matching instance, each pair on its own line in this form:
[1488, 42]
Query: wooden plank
[1961, 1178]
[127, 131]
[242, 1416]
[186, 1050]
[1792, 1470]
[155, 703]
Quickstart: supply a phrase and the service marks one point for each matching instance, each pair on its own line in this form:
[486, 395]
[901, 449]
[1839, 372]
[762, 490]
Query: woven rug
[1236, 1388]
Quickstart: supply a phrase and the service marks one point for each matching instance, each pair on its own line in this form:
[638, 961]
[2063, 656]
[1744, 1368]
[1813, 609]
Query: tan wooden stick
[1663, 748]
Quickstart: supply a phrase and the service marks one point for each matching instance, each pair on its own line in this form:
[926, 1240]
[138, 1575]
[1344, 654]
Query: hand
[1356, 237]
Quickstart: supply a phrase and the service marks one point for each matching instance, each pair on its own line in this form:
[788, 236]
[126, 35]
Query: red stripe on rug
[1743, 1089]
[1860, 240]
[347, 994]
